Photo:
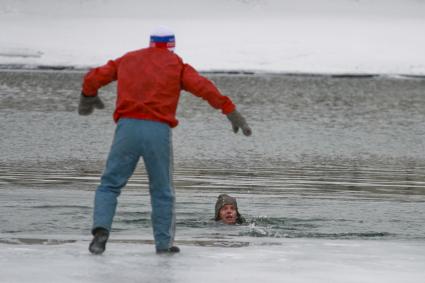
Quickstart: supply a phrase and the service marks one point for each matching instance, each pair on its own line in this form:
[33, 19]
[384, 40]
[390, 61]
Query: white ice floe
[319, 36]
[20, 53]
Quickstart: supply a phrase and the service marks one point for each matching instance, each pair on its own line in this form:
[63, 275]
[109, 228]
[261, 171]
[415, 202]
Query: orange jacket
[149, 85]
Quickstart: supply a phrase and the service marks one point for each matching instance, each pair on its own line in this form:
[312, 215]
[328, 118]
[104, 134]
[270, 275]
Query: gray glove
[88, 103]
[238, 121]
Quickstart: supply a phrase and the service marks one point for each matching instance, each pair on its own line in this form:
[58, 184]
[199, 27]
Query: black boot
[98, 244]
[172, 250]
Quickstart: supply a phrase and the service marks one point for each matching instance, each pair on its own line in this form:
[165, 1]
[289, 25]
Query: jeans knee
[163, 193]
[116, 191]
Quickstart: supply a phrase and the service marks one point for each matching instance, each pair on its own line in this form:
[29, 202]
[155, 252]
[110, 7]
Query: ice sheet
[325, 36]
[290, 260]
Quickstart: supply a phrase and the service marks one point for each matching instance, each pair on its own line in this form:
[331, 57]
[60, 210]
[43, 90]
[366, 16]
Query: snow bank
[324, 36]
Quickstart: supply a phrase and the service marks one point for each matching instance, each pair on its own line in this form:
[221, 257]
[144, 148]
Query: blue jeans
[133, 139]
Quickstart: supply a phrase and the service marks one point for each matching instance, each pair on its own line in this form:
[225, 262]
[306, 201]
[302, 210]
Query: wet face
[228, 214]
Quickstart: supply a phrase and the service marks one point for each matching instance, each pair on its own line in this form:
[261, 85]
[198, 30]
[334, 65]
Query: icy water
[330, 158]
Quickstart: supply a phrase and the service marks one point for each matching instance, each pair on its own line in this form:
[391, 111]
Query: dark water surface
[337, 158]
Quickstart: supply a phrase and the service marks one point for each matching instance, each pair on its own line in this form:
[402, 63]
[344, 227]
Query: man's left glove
[88, 104]
[238, 121]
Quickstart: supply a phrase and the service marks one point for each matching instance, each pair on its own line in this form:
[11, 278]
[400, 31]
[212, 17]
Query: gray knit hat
[224, 199]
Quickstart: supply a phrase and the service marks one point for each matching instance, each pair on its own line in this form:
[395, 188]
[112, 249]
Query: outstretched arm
[200, 86]
[100, 76]
[93, 80]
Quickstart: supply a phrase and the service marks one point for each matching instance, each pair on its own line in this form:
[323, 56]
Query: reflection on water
[329, 158]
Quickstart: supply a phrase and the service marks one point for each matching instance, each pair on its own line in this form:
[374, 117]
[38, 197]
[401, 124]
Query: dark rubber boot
[172, 250]
[98, 244]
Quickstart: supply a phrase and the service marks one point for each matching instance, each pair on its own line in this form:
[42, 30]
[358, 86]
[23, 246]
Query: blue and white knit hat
[163, 37]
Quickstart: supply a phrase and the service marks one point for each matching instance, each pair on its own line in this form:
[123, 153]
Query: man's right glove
[88, 103]
[238, 121]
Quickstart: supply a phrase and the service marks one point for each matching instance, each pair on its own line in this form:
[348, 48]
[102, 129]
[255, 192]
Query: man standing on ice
[148, 90]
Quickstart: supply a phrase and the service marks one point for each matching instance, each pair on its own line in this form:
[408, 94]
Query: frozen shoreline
[330, 37]
[341, 75]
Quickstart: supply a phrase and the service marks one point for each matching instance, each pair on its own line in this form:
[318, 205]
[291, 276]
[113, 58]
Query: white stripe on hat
[162, 31]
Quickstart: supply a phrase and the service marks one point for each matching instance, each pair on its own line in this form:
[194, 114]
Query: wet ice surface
[331, 183]
[296, 260]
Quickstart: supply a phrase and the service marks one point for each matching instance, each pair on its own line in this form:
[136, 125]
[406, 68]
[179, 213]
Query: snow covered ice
[322, 36]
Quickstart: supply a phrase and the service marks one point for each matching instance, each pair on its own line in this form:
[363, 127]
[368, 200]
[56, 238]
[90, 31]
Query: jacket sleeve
[100, 76]
[200, 86]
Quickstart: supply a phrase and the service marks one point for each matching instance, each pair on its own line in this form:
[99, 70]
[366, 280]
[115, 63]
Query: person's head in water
[226, 210]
